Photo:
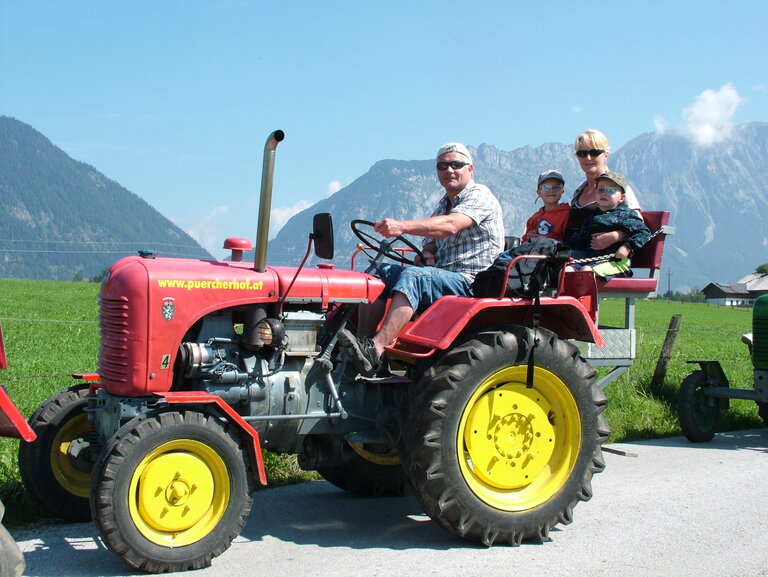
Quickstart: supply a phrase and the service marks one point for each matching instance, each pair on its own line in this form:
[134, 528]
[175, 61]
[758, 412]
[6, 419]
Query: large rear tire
[699, 415]
[171, 491]
[494, 461]
[56, 467]
[368, 473]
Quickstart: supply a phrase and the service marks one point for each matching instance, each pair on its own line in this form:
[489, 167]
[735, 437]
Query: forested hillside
[62, 218]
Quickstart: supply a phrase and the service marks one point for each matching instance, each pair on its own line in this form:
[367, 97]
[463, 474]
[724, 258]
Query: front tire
[171, 491]
[494, 461]
[56, 467]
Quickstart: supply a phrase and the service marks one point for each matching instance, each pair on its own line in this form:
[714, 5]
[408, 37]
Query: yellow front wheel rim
[517, 446]
[179, 493]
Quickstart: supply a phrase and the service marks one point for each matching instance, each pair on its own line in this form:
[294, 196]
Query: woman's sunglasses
[590, 152]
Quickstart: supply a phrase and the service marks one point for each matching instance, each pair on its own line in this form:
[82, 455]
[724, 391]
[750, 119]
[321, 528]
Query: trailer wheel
[762, 410]
[699, 415]
[368, 473]
[171, 491]
[56, 467]
[494, 461]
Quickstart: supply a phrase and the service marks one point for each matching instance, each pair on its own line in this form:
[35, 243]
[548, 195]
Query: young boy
[552, 218]
[613, 214]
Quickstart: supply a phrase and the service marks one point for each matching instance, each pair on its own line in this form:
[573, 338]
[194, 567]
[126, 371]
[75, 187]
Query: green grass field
[51, 332]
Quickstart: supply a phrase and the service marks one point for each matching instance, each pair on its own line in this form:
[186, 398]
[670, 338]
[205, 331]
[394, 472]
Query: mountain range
[716, 195]
[62, 218]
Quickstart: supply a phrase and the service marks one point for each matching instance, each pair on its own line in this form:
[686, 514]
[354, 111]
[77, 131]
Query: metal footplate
[618, 352]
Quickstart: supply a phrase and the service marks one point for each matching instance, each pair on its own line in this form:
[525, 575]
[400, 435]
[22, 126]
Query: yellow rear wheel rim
[67, 475]
[518, 446]
[179, 492]
[389, 458]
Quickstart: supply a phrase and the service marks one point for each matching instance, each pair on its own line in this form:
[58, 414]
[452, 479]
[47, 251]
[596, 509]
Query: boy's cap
[550, 174]
[615, 177]
[454, 147]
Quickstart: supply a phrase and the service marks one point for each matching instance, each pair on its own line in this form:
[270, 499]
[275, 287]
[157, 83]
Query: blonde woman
[592, 151]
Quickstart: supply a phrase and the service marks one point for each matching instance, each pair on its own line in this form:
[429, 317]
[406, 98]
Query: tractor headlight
[271, 332]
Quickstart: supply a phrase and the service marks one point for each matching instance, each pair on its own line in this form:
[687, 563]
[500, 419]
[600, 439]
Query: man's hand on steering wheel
[389, 227]
[383, 245]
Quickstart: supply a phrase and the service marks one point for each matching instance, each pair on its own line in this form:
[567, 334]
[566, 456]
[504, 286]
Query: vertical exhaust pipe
[265, 200]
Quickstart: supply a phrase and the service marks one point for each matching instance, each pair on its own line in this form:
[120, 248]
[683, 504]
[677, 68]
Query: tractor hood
[164, 297]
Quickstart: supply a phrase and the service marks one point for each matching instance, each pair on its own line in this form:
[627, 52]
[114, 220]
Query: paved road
[673, 509]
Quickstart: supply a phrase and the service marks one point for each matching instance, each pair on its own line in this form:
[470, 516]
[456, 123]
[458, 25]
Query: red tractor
[490, 415]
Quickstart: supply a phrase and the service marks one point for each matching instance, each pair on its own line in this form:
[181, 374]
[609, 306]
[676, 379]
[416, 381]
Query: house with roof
[737, 294]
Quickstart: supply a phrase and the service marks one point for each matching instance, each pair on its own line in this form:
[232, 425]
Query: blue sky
[174, 99]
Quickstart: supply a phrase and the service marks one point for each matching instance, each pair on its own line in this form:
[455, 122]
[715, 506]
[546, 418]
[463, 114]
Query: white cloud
[280, 215]
[333, 187]
[660, 124]
[211, 228]
[708, 119]
[206, 228]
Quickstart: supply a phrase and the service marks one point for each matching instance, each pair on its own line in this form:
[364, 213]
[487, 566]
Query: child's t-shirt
[550, 223]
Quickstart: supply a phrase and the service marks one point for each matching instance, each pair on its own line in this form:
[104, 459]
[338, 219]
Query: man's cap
[550, 174]
[454, 147]
[615, 177]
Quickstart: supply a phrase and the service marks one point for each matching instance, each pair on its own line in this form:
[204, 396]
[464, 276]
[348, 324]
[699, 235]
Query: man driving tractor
[461, 238]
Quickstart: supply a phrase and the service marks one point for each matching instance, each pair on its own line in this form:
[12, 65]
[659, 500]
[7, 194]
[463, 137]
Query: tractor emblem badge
[168, 308]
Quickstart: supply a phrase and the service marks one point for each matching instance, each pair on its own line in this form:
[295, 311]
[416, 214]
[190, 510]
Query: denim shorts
[423, 285]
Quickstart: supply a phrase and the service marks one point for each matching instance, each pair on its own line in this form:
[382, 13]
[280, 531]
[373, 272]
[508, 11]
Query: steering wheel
[384, 245]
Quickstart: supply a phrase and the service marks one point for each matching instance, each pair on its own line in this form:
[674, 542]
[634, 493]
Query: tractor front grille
[114, 359]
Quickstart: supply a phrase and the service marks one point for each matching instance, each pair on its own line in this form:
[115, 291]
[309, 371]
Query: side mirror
[322, 234]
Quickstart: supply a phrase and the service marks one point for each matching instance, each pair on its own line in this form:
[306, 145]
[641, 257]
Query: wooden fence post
[666, 350]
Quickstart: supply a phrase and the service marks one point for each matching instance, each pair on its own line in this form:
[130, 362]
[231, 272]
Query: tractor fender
[449, 316]
[12, 422]
[249, 434]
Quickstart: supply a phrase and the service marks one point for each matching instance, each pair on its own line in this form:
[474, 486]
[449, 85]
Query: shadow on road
[671, 484]
[315, 514]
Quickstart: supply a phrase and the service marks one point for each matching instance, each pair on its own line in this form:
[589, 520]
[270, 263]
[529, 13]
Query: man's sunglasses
[590, 152]
[454, 164]
[609, 190]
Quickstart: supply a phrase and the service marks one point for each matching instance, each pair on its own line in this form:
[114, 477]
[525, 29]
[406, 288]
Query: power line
[125, 251]
[91, 242]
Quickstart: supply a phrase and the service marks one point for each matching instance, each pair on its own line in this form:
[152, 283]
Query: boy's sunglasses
[609, 190]
[454, 164]
[551, 188]
[590, 152]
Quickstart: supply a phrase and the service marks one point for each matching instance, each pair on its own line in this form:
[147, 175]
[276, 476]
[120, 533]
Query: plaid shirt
[472, 249]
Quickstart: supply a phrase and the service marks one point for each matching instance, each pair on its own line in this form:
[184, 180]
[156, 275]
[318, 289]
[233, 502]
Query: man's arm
[441, 226]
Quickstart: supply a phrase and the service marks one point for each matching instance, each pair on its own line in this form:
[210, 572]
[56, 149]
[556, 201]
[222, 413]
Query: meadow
[51, 332]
